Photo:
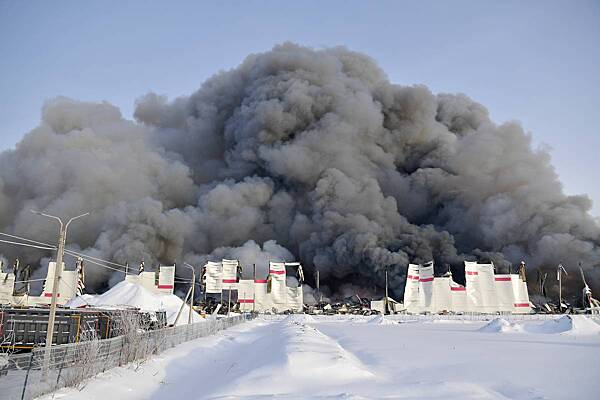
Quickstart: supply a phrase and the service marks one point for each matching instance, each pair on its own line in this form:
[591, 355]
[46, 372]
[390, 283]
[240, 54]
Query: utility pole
[320, 298]
[254, 286]
[560, 271]
[192, 296]
[62, 235]
[229, 302]
[386, 306]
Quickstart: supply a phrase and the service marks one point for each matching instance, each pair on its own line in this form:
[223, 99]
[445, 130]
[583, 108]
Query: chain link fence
[23, 376]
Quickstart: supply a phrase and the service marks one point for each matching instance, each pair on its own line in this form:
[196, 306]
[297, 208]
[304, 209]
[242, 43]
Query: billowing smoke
[297, 154]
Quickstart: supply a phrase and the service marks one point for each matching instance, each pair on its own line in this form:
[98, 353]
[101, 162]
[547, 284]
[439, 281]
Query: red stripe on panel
[165, 286]
[260, 281]
[472, 273]
[426, 279]
[521, 304]
[503, 279]
[229, 281]
[277, 272]
[458, 288]
[246, 301]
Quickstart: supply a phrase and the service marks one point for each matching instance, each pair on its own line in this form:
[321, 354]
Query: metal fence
[23, 376]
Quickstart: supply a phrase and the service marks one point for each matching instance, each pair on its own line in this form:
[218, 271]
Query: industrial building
[271, 294]
[484, 291]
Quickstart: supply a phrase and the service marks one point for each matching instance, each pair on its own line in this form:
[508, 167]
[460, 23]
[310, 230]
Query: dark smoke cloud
[298, 153]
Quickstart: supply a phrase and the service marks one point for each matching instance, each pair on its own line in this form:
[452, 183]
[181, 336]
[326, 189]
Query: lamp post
[192, 294]
[62, 235]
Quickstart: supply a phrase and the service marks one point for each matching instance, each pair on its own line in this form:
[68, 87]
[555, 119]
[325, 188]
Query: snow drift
[380, 320]
[133, 295]
[567, 324]
[302, 154]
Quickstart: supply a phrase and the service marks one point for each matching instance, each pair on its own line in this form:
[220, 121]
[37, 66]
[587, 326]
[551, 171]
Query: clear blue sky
[537, 62]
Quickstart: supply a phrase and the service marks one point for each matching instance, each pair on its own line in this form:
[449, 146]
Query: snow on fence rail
[21, 375]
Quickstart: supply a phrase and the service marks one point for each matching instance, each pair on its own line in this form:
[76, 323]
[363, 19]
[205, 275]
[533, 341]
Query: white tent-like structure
[484, 291]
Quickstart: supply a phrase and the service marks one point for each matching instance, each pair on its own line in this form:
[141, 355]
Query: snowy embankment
[127, 294]
[320, 357]
[565, 325]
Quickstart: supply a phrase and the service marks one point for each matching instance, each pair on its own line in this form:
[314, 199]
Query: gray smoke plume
[311, 154]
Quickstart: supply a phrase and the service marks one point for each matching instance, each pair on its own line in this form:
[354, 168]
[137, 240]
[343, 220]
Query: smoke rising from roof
[310, 154]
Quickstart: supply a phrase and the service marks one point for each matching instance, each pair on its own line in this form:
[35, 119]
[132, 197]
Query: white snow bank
[496, 325]
[269, 359]
[300, 318]
[380, 320]
[134, 295]
[582, 325]
[567, 324]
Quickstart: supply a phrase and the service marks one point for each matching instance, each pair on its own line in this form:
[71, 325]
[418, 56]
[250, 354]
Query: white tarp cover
[7, 285]
[474, 302]
[278, 291]
[411, 289]
[166, 279]
[459, 297]
[426, 286]
[505, 293]
[295, 299]
[230, 268]
[521, 304]
[262, 300]
[214, 277]
[145, 279]
[442, 299]
[487, 287]
[67, 285]
[246, 295]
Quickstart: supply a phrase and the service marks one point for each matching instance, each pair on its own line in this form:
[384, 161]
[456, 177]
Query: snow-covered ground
[356, 358]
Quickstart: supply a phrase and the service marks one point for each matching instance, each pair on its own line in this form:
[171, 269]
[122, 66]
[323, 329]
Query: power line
[27, 245]
[93, 262]
[27, 240]
[30, 280]
[52, 247]
[95, 258]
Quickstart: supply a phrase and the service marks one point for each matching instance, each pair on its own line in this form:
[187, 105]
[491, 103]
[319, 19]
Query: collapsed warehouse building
[14, 288]
[484, 291]
[271, 294]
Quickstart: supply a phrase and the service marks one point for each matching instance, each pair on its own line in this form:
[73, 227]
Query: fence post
[62, 363]
[121, 350]
[107, 356]
[27, 376]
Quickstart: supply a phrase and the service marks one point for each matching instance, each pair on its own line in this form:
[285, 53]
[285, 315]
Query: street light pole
[192, 295]
[62, 236]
